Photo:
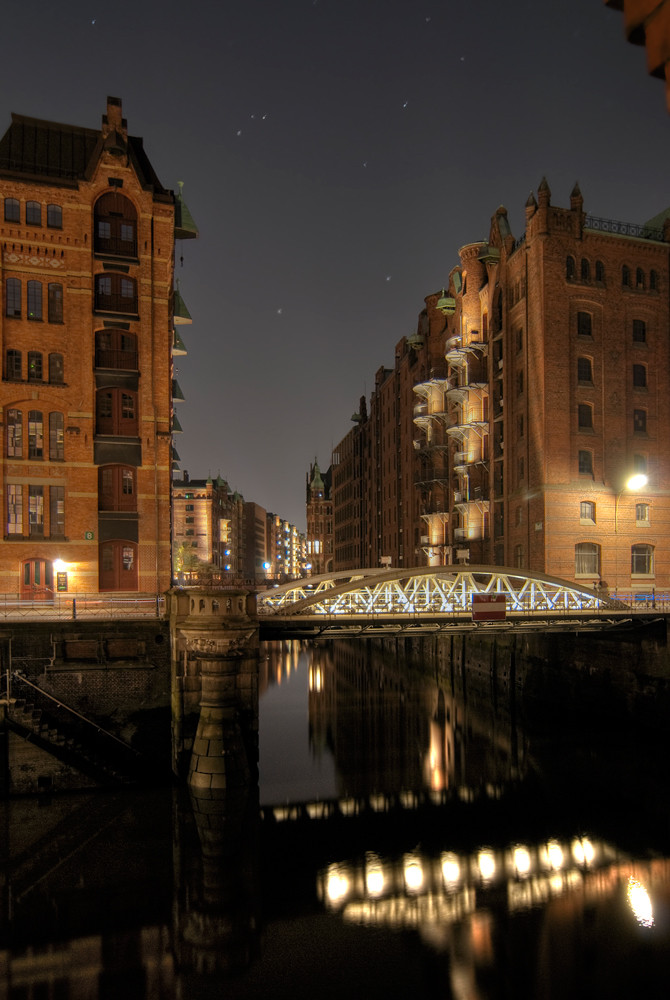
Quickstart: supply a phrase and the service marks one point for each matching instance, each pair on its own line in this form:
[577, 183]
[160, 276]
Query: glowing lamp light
[59, 565]
[636, 482]
[640, 903]
[413, 873]
[487, 864]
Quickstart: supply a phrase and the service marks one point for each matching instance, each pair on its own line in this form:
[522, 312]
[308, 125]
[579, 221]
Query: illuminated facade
[88, 236]
[319, 541]
[208, 531]
[540, 410]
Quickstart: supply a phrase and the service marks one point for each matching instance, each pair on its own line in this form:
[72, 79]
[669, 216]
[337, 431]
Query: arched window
[13, 297]
[116, 488]
[33, 213]
[116, 349]
[584, 371]
[585, 417]
[13, 366]
[587, 559]
[34, 300]
[115, 226]
[35, 434]
[115, 293]
[56, 370]
[584, 324]
[640, 376]
[35, 369]
[55, 303]
[639, 278]
[642, 560]
[14, 434]
[54, 217]
[625, 276]
[56, 437]
[585, 270]
[600, 271]
[570, 270]
[12, 210]
[116, 412]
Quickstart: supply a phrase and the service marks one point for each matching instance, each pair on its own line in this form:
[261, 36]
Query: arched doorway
[118, 565]
[37, 579]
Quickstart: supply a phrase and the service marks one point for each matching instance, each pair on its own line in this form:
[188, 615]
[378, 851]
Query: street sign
[488, 607]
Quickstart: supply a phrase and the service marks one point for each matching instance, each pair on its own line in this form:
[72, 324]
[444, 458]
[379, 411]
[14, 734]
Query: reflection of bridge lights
[640, 903]
[582, 851]
[413, 873]
[315, 679]
[521, 860]
[451, 870]
[374, 877]
[487, 864]
[552, 855]
[337, 885]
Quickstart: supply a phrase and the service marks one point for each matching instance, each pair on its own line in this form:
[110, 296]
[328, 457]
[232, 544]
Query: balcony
[116, 359]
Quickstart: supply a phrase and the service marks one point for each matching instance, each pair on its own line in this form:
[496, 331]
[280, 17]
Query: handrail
[99, 729]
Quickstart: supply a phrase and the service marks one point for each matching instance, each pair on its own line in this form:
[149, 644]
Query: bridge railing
[82, 606]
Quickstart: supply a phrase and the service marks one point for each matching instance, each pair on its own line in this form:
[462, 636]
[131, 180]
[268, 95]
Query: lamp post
[635, 482]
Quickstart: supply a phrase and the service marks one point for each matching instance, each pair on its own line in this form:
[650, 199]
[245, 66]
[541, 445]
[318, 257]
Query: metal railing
[623, 228]
[82, 606]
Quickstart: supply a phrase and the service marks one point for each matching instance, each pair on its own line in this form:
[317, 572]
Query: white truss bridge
[442, 597]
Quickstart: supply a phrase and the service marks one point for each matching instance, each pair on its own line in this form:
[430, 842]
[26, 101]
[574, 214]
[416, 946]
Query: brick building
[540, 381]
[88, 235]
[208, 531]
[319, 541]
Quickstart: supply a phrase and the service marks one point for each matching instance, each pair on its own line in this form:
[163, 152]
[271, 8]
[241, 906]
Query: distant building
[88, 236]
[512, 424]
[208, 531]
[319, 505]
[285, 550]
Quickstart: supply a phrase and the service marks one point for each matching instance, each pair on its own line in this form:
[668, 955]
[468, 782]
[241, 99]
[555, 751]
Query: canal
[421, 824]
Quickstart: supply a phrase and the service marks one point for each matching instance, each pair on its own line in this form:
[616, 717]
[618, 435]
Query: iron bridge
[436, 599]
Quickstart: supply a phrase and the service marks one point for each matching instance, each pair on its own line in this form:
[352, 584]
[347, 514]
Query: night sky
[335, 155]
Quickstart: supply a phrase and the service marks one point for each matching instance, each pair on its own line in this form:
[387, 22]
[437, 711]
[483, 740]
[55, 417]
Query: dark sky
[335, 155]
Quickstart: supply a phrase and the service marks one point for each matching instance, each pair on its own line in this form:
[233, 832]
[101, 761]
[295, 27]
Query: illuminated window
[36, 510]
[57, 511]
[56, 437]
[587, 559]
[35, 434]
[35, 370]
[587, 512]
[14, 434]
[14, 510]
[642, 513]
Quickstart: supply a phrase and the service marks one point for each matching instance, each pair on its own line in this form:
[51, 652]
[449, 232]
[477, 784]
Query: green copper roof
[317, 481]
[178, 346]
[176, 426]
[184, 226]
[177, 395]
[180, 311]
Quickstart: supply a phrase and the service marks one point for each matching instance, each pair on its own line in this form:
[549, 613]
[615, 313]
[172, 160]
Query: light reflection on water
[403, 846]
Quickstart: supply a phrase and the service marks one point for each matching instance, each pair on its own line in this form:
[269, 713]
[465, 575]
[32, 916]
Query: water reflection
[421, 844]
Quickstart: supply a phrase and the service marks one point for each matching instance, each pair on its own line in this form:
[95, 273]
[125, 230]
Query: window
[518, 556]
[57, 511]
[519, 383]
[640, 463]
[14, 510]
[584, 326]
[585, 270]
[653, 281]
[13, 297]
[12, 210]
[116, 349]
[36, 510]
[13, 366]
[35, 434]
[116, 488]
[519, 515]
[54, 217]
[639, 278]
[521, 468]
[56, 437]
[640, 376]
[587, 559]
[55, 303]
[625, 276]
[115, 293]
[642, 560]
[115, 226]
[587, 512]
[585, 463]
[35, 370]
[116, 412]
[642, 513]
[56, 370]
[639, 421]
[639, 331]
[600, 271]
[585, 417]
[584, 371]
[14, 434]
[34, 300]
[519, 425]
[570, 271]
[33, 213]
[519, 339]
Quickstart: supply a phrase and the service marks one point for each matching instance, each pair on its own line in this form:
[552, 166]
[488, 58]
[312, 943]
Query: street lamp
[635, 482]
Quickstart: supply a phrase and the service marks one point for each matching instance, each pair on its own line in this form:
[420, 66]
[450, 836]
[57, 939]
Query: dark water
[409, 835]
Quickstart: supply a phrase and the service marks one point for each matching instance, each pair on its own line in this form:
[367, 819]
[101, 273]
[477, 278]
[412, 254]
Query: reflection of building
[535, 387]
[319, 521]
[88, 235]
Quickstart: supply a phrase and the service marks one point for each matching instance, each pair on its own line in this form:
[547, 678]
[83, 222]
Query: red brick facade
[87, 234]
